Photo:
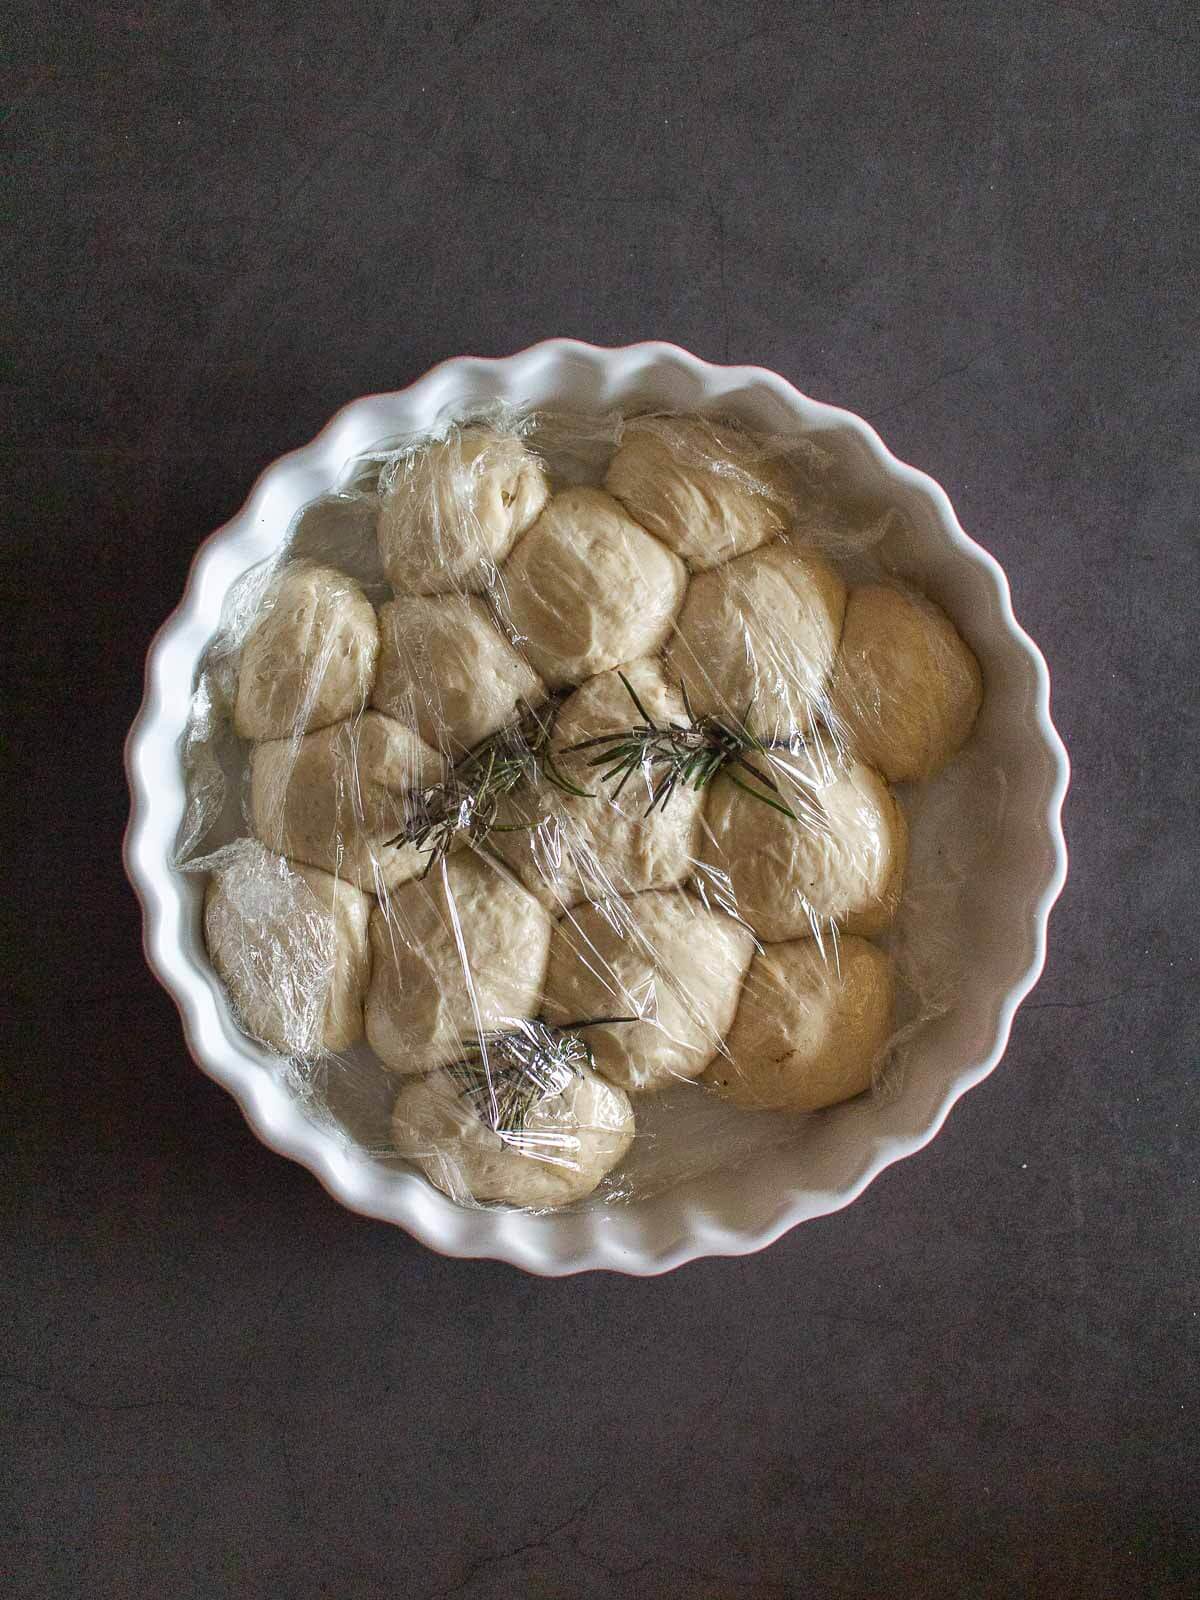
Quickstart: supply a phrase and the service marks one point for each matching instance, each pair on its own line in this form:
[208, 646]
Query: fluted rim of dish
[639, 1238]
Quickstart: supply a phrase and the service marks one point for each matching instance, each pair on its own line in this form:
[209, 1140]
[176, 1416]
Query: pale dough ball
[446, 671]
[842, 862]
[587, 588]
[761, 631]
[603, 844]
[426, 1006]
[661, 956]
[605, 705]
[351, 909]
[451, 511]
[569, 1142]
[333, 798]
[705, 489]
[906, 689]
[310, 658]
[811, 1027]
[290, 944]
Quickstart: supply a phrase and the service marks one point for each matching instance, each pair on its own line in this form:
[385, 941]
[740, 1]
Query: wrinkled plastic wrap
[579, 800]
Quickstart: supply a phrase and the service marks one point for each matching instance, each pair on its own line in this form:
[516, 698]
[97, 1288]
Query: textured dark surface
[977, 225]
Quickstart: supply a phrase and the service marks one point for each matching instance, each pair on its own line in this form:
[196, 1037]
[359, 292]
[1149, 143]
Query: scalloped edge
[672, 1229]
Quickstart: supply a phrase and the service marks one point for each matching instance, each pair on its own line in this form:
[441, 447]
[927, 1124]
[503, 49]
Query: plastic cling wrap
[579, 802]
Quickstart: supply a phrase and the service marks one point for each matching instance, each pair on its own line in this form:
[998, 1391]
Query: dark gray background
[975, 223]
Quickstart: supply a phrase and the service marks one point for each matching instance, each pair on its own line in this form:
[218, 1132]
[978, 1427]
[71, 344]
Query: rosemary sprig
[690, 754]
[505, 1074]
[468, 801]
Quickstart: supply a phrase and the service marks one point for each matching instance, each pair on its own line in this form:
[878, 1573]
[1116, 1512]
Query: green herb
[468, 801]
[690, 755]
[505, 1074]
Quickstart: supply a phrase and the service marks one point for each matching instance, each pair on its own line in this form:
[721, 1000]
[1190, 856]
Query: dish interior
[1003, 794]
[685, 1131]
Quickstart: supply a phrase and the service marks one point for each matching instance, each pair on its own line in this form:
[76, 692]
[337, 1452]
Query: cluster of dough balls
[711, 937]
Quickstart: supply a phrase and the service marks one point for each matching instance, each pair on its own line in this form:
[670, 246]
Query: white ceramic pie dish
[1010, 896]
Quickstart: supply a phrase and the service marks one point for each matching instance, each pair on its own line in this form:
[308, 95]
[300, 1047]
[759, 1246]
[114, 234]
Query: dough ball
[661, 956]
[603, 844]
[707, 490]
[290, 945]
[452, 510]
[425, 1007]
[906, 689]
[762, 632]
[566, 1146]
[446, 671]
[587, 588]
[333, 798]
[810, 1028]
[842, 862]
[310, 658]
[605, 705]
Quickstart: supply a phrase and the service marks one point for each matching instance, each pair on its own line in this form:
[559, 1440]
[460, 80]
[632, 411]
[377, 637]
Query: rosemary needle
[505, 1074]
[690, 754]
[468, 801]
